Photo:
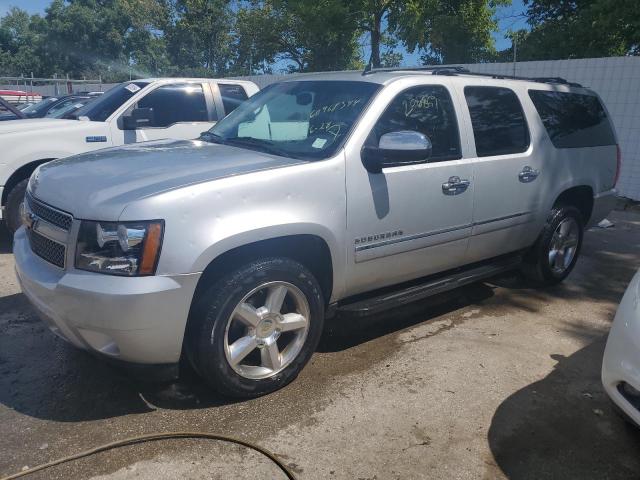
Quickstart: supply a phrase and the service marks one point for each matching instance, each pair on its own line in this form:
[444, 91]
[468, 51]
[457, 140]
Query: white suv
[137, 111]
[326, 192]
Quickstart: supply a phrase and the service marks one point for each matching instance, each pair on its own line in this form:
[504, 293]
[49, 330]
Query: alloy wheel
[563, 245]
[267, 330]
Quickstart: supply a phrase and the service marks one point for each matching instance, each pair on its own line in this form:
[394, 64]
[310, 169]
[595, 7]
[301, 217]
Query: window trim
[473, 133]
[442, 158]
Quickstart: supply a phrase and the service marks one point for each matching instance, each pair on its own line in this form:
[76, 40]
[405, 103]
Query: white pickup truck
[135, 111]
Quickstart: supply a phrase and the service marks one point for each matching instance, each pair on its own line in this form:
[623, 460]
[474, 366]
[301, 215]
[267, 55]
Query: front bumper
[133, 319]
[621, 361]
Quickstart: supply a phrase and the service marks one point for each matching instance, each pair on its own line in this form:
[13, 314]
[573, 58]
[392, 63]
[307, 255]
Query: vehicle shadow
[564, 427]
[347, 331]
[44, 377]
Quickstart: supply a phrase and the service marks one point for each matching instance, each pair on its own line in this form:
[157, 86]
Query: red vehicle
[16, 97]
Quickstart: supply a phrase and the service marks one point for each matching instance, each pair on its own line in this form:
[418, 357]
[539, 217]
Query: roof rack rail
[555, 80]
[459, 70]
[528, 79]
[436, 70]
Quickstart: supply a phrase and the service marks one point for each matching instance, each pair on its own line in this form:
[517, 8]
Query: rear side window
[499, 125]
[426, 109]
[176, 103]
[232, 96]
[573, 120]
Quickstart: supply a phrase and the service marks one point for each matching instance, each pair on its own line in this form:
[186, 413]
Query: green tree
[112, 37]
[313, 35]
[199, 36]
[581, 29]
[21, 39]
[448, 31]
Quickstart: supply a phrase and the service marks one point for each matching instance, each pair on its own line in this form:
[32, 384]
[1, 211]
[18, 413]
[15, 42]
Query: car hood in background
[37, 125]
[99, 185]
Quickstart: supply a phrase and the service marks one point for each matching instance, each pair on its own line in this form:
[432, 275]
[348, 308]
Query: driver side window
[176, 103]
[427, 109]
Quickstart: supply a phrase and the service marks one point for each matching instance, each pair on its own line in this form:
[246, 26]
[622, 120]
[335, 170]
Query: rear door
[509, 172]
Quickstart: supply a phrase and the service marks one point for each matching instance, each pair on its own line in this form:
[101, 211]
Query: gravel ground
[491, 381]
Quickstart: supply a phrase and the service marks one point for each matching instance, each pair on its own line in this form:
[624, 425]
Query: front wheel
[556, 251]
[254, 330]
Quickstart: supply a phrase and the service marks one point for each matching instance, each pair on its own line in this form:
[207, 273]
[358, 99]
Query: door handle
[528, 174]
[455, 185]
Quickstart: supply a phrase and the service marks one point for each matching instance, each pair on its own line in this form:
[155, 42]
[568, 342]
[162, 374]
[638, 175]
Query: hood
[99, 185]
[35, 125]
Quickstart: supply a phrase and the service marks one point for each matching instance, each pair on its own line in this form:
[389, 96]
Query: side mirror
[404, 147]
[139, 118]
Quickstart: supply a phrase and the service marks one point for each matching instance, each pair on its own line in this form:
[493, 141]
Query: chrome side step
[394, 297]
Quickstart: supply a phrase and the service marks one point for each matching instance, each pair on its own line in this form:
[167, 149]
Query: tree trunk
[376, 26]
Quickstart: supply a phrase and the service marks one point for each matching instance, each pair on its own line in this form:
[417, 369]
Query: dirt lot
[491, 381]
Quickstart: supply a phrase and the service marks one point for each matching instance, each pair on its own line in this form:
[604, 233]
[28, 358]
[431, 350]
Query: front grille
[57, 217]
[52, 252]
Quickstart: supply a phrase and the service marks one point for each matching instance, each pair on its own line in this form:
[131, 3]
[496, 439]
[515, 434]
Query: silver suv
[331, 192]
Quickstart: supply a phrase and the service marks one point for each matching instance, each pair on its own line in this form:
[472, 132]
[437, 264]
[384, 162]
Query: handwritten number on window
[424, 102]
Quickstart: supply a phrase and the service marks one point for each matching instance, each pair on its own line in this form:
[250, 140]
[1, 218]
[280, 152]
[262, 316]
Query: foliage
[581, 29]
[120, 38]
[448, 31]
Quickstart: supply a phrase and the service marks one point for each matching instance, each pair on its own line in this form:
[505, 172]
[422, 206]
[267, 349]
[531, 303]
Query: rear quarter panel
[565, 168]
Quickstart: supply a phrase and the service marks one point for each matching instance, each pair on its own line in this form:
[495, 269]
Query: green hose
[151, 437]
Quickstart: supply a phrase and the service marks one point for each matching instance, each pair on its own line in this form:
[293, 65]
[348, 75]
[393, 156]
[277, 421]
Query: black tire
[206, 330]
[536, 265]
[12, 210]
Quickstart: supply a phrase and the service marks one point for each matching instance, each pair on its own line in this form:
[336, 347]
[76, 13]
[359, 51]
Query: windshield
[39, 108]
[303, 119]
[109, 102]
[67, 107]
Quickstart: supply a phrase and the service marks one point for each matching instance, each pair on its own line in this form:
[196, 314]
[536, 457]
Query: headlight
[123, 248]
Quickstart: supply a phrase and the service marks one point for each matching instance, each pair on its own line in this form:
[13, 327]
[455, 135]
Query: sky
[509, 18]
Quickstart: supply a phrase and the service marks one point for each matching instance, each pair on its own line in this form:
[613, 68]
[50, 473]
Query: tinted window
[427, 109]
[40, 108]
[176, 103]
[573, 120]
[64, 106]
[71, 109]
[499, 126]
[110, 101]
[232, 96]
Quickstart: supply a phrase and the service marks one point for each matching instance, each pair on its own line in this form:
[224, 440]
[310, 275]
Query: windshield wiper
[267, 146]
[210, 137]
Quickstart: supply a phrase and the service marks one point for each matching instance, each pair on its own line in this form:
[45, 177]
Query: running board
[394, 297]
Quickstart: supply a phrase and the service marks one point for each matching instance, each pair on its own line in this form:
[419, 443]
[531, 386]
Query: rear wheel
[556, 251]
[254, 330]
[12, 210]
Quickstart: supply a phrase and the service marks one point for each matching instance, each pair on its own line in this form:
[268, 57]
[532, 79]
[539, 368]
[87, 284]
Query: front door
[181, 111]
[410, 220]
